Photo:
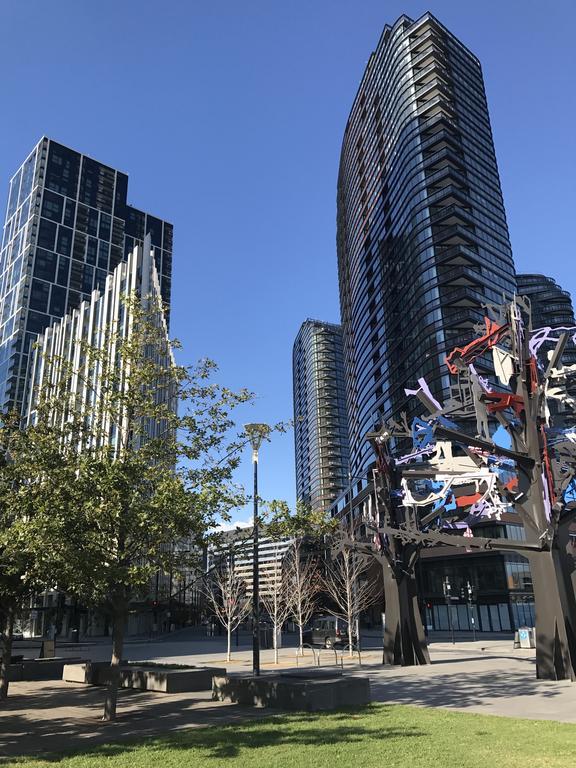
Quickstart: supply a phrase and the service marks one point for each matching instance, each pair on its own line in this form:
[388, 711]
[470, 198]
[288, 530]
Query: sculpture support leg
[392, 652]
[404, 639]
[555, 617]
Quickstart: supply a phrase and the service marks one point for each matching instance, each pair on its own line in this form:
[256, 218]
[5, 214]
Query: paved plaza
[487, 677]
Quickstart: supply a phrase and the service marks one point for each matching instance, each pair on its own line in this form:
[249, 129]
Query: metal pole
[447, 592]
[255, 578]
[472, 617]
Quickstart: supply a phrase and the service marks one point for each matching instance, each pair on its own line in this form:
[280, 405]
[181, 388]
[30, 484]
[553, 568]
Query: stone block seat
[308, 692]
[145, 677]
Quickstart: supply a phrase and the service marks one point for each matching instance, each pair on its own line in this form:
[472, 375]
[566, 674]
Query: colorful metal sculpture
[451, 478]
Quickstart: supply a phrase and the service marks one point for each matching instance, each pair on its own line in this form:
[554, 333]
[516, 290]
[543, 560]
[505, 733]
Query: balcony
[451, 214]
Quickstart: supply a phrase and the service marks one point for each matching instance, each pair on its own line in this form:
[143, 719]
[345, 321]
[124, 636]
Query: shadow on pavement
[107, 740]
[460, 689]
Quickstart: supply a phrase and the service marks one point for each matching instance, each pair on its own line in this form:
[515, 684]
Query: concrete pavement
[487, 677]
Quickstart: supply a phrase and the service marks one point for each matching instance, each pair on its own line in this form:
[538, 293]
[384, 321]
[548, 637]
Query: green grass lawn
[378, 736]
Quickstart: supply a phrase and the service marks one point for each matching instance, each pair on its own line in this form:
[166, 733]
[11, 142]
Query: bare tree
[226, 594]
[276, 600]
[303, 582]
[346, 581]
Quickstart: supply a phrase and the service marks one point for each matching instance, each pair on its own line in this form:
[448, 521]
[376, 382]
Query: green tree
[153, 469]
[37, 477]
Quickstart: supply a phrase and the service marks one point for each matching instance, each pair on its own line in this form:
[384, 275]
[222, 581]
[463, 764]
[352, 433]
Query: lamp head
[256, 433]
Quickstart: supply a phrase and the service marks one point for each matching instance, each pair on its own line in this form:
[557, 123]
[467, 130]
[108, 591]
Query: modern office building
[320, 422]
[68, 225]
[236, 548]
[422, 235]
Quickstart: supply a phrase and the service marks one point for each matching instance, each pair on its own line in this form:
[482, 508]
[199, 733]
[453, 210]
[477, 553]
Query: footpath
[487, 677]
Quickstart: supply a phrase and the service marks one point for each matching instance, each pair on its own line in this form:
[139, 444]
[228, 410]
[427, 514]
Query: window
[45, 264]
[39, 295]
[47, 234]
[52, 206]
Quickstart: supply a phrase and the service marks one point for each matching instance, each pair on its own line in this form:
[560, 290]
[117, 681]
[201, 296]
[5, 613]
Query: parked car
[327, 631]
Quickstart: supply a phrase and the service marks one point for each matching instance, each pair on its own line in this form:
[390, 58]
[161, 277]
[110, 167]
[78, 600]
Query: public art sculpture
[454, 475]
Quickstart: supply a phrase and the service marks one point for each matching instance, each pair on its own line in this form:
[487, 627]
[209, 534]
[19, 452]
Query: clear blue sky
[228, 118]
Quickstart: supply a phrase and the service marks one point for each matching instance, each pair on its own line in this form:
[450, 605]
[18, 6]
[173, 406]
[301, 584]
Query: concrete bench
[145, 678]
[40, 669]
[293, 692]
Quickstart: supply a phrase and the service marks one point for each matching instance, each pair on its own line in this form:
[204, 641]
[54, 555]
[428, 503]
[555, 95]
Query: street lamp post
[256, 433]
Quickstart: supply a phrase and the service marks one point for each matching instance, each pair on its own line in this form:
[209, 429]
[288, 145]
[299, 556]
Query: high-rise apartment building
[422, 234]
[68, 225]
[320, 422]
[551, 305]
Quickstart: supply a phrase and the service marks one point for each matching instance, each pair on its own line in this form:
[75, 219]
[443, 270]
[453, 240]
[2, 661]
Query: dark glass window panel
[92, 222]
[105, 226]
[79, 246]
[69, 213]
[45, 264]
[103, 249]
[52, 206]
[58, 301]
[128, 246]
[39, 295]
[97, 185]
[166, 263]
[135, 223]
[64, 242]
[100, 279]
[118, 232]
[115, 257]
[87, 277]
[62, 170]
[82, 218]
[76, 275]
[168, 233]
[154, 229]
[74, 300]
[47, 234]
[37, 322]
[121, 195]
[92, 250]
[63, 271]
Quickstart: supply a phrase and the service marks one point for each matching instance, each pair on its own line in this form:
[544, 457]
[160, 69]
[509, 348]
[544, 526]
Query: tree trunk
[111, 700]
[6, 627]
[229, 642]
[301, 631]
[350, 636]
[555, 616]
[404, 639]
[275, 643]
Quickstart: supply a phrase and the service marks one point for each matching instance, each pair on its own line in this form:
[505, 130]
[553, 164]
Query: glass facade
[551, 306]
[502, 593]
[422, 235]
[320, 422]
[67, 226]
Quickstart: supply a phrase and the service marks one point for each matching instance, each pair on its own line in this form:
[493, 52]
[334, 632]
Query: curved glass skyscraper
[422, 234]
